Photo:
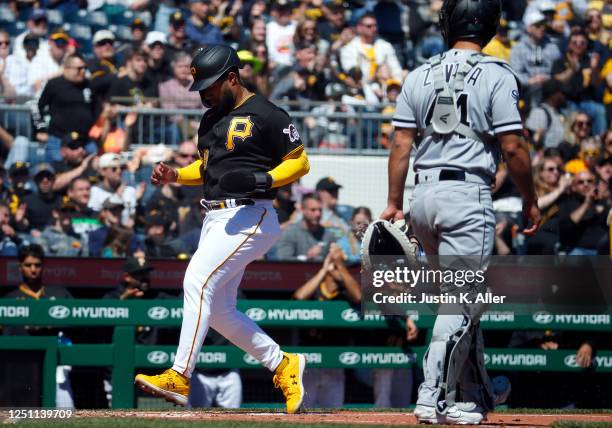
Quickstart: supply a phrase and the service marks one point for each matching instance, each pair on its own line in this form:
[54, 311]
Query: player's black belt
[226, 203]
[453, 175]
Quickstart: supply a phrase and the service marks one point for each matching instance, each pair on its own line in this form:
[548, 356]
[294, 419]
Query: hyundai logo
[256, 314]
[158, 313]
[543, 317]
[249, 359]
[487, 359]
[349, 358]
[157, 357]
[350, 315]
[59, 312]
[570, 361]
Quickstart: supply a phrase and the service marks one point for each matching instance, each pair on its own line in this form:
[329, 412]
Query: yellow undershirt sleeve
[190, 175]
[294, 165]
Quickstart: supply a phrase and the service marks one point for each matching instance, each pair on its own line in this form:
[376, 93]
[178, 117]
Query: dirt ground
[343, 417]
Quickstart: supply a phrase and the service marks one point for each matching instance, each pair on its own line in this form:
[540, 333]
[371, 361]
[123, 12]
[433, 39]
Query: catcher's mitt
[384, 239]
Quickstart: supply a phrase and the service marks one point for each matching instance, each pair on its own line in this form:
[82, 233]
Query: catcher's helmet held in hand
[210, 63]
[469, 19]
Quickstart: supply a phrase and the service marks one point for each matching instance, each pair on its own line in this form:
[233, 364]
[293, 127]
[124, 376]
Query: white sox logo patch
[292, 132]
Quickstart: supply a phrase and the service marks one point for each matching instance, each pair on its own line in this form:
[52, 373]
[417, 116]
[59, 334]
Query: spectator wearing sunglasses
[46, 67]
[583, 216]
[71, 105]
[551, 185]
[588, 155]
[368, 51]
[576, 133]
[595, 28]
[103, 66]
[186, 154]
[580, 73]
[110, 167]
[138, 32]
[600, 36]
[158, 62]
[110, 219]
[39, 205]
[7, 88]
[74, 162]
[533, 56]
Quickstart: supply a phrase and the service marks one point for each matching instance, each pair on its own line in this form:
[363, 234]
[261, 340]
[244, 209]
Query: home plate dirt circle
[340, 417]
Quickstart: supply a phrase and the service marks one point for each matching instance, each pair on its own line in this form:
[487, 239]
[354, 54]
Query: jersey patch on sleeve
[292, 133]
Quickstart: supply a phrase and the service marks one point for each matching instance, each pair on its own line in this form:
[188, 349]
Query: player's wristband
[263, 181]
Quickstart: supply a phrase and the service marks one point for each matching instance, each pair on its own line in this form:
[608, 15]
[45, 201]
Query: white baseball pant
[231, 238]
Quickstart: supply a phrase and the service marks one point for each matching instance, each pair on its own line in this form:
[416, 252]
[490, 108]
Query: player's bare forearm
[399, 162]
[517, 160]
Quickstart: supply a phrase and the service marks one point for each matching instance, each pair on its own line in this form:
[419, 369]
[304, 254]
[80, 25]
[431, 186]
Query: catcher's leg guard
[474, 383]
[447, 352]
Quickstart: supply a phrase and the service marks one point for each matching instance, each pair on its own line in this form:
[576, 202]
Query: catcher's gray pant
[223, 390]
[454, 218]
[325, 388]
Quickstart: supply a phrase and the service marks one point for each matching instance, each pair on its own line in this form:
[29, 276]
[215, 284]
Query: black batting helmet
[469, 19]
[210, 63]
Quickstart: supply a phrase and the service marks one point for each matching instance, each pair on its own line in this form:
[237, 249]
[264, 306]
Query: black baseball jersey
[255, 136]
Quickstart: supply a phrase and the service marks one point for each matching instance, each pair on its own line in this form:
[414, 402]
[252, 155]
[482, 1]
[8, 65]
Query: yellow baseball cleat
[171, 385]
[288, 377]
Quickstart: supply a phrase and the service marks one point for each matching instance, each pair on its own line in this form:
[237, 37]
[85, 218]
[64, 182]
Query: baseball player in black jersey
[248, 148]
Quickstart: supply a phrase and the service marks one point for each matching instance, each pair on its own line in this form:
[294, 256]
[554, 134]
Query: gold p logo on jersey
[239, 127]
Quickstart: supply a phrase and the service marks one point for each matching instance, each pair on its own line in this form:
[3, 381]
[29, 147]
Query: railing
[358, 132]
[124, 356]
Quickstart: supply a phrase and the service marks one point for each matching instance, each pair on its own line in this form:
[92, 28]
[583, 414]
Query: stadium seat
[123, 33]
[55, 17]
[124, 18]
[81, 17]
[82, 34]
[14, 28]
[6, 15]
[98, 21]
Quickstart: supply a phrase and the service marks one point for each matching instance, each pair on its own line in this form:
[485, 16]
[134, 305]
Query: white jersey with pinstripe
[488, 104]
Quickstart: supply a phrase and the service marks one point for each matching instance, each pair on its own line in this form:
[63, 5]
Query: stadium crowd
[74, 169]
[58, 179]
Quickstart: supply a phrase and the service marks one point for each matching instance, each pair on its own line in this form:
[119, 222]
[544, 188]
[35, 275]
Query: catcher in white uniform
[248, 147]
[463, 105]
